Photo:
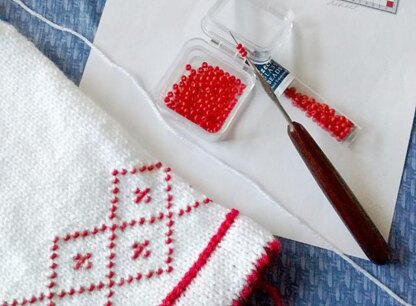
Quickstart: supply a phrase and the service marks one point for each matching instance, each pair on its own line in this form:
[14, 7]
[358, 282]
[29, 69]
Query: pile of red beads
[205, 95]
[326, 117]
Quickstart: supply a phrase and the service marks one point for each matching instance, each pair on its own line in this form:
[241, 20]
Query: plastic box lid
[258, 24]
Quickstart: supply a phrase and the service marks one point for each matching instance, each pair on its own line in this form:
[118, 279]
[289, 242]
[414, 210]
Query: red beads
[205, 96]
[240, 48]
[326, 117]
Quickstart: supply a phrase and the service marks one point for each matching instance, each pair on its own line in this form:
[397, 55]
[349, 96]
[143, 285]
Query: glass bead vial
[291, 90]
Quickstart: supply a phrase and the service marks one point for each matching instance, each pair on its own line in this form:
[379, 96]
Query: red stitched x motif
[142, 194]
[139, 249]
[82, 261]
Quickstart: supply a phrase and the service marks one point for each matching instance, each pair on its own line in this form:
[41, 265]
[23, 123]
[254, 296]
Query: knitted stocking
[88, 217]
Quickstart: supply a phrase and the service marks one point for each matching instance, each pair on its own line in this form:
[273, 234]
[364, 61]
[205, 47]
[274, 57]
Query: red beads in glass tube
[205, 95]
[326, 117]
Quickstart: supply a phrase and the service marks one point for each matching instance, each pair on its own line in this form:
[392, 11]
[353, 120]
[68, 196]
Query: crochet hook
[331, 183]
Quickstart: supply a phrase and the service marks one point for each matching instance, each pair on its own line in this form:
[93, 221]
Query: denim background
[304, 274]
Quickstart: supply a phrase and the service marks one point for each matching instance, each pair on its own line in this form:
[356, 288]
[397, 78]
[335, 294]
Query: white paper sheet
[362, 60]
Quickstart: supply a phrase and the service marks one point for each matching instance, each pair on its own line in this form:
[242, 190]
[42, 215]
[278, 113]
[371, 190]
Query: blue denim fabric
[304, 274]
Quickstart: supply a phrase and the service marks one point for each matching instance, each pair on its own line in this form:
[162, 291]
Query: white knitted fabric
[75, 232]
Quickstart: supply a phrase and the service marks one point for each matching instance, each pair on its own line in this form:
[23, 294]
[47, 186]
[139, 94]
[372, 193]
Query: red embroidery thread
[270, 250]
[180, 288]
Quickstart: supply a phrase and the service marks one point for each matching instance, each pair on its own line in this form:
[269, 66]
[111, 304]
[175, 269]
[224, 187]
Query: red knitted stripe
[180, 288]
[272, 248]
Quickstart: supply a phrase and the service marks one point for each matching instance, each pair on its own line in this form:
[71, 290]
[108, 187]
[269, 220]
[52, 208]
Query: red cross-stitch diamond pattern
[140, 194]
[140, 210]
[88, 265]
[96, 245]
[152, 257]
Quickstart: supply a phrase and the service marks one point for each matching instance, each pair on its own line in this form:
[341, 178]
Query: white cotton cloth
[70, 228]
